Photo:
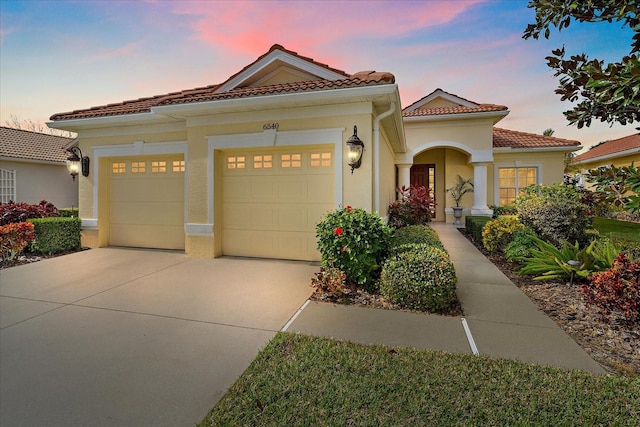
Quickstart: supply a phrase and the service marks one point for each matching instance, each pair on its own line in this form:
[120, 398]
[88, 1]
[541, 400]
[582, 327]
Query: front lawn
[622, 229]
[302, 380]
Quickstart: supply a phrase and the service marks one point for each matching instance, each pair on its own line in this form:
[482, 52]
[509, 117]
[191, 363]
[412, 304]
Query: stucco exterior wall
[616, 161]
[387, 172]
[466, 135]
[43, 181]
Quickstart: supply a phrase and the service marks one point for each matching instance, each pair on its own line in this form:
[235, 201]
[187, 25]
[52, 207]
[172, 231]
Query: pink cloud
[252, 26]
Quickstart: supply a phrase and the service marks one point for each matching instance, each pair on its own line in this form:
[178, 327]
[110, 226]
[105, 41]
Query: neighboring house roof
[235, 87]
[27, 145]
[624, 146]
[505, 138]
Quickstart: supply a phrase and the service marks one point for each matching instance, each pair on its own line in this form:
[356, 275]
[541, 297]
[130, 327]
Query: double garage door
[273, 199]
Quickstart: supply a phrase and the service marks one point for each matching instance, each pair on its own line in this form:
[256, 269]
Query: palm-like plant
[462, 187]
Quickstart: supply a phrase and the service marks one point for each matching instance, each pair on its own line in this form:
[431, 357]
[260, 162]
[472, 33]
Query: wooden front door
[424, 175]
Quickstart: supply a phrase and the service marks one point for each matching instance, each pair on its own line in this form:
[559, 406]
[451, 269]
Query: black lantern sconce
[77, 163]
[355, 147]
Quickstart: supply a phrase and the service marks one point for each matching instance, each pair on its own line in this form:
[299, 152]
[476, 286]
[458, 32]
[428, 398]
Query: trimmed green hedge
[475, 224]
[55, 234]
[414, 234]
[68, 212]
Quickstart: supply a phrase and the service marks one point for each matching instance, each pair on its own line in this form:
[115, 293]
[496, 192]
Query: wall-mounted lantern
[77, 163]
[355, 147]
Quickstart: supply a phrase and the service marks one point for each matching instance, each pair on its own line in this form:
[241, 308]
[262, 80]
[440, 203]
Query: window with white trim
[513, 181]
[7, 185]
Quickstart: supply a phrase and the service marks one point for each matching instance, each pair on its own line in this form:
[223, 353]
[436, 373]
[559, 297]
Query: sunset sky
[58, 56]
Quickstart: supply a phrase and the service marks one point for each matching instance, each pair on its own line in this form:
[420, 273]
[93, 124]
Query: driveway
[129, 337]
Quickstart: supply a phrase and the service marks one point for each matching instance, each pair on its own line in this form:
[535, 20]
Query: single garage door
[146, 203]
[273, 199]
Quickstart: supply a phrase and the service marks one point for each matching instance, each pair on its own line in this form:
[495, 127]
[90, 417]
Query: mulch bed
[611, 343]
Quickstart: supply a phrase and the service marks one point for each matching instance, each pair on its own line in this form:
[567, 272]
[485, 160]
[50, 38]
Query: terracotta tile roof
[359, 79]
[27, 145]
[141, 105]
[505, 138]
[209, 93]
[454, 109]
[610, 148]
[458, 109]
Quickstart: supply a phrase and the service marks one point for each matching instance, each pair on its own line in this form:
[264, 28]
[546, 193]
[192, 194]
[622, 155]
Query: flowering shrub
[355, 242]
[19, 212]
[498, 233]
[616, 289]
[415, 207]
[14, 238]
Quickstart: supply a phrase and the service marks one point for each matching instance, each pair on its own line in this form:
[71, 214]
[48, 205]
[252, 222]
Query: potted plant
[462, 187]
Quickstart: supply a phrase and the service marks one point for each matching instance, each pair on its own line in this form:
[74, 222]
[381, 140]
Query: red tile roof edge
[506, 138]
[609, 148]
[143, 105]
[437, 111]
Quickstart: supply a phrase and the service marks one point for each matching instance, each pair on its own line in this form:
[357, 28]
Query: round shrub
[415, 234]
[498, 232]
[421, 279]
[355, 242]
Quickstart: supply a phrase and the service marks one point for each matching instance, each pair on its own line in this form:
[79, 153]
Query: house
[617, 152]
[33, 168]
[249, 166]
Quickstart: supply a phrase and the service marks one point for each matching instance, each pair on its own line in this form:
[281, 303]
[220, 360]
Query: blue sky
[57, 56]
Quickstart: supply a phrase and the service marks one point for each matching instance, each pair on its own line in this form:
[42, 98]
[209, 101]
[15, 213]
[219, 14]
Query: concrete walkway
[499, 320]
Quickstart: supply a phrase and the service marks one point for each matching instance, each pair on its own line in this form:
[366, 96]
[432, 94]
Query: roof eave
[130, 119]
[495, 115]
[565, 148]
[364, 93]
[628, 152]
[27, 160]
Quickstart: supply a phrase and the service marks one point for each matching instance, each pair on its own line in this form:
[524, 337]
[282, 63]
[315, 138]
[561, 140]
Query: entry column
[480, 190]
[404, 175]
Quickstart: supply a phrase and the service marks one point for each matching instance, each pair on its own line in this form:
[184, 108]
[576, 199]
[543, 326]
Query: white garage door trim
[273, 138]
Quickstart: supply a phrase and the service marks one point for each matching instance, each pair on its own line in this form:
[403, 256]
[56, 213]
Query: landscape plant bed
[28, 258]
[611, 343]
[298, 380]
[361, 298]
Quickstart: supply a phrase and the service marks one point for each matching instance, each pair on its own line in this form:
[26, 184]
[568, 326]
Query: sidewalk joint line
[472, 343]
[295, 316]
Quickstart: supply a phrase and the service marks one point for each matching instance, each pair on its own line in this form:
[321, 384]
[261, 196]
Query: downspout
[376, 155]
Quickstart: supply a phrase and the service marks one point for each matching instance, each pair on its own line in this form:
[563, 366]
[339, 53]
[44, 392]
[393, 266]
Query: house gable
[439, 99]
[279, 66]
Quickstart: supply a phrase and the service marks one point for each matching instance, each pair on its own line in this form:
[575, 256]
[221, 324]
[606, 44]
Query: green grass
[620, 229]
[298, 380]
